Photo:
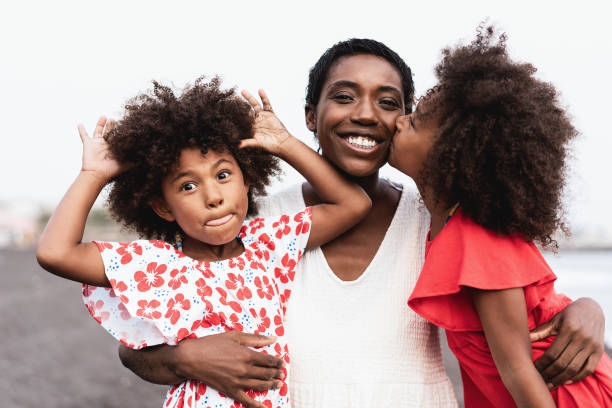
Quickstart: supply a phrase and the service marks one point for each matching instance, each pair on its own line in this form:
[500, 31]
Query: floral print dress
[160, 296]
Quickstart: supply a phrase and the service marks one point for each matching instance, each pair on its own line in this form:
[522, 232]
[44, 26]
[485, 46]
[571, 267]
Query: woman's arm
[344, 203]
[503, 315]
[222, 361]
[60, 250]
[578, 346]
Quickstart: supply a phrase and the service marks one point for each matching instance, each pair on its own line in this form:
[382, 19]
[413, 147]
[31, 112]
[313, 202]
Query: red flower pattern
[186, 298]
[152, 278]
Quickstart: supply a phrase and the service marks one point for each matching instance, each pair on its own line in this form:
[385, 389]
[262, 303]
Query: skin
[362, 107]
[503, 313]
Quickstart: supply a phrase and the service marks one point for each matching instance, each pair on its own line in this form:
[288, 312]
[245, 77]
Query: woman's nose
[364, 113]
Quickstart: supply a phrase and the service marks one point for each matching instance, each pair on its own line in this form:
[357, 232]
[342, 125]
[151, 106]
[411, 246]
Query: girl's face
[206, 195]
[412, 143]
[354, 119]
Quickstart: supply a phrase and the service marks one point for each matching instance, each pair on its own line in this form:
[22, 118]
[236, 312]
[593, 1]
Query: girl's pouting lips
[219, 221]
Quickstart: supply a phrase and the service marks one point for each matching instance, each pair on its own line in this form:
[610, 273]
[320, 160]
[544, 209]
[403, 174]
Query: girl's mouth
[219, 221]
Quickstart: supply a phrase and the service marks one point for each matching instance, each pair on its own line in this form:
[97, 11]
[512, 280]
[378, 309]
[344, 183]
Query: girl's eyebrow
[191, 173]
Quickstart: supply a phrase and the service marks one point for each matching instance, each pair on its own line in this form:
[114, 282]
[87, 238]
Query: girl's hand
[268, 131]
[97, 159]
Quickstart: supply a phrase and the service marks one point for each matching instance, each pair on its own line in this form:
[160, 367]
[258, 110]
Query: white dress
[357, 343]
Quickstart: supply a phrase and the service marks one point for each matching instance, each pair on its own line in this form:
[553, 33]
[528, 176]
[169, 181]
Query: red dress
[465, 254]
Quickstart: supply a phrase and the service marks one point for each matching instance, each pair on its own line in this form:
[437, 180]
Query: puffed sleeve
[465, 255]
[133, 308]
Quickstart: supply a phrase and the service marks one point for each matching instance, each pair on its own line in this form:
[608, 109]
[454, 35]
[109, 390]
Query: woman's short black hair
[357, 46]
[157, 126]
[502, 143]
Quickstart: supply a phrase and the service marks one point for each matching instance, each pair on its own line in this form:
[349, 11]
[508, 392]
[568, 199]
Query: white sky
[65, 62]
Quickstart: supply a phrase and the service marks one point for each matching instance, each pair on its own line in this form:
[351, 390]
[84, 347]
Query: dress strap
[451, 212]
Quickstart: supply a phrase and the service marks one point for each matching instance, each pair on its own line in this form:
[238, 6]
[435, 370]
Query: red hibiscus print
[160, 244]
[285, 274]
[95, 310]
[242, 232]
[151, 278]
[303, 221]
[125, 315]
[261, 247]
[231, 322]
[127, 249]
[177, 278]
[236, 282]
[264, 288]
[236, 263]
[210, 318]
[104, 245]
[261, 320]
[203, 289]
[180, 302]
[282, 352]
[119, 287]
[204, 267]
[147, 309]
[284, 298]
[234, 305]
[282, 227]
[280, 329]
[256, 224]
[88, 290]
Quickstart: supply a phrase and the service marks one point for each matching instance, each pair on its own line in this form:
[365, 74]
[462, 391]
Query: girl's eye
[188, 186]
[223, 175]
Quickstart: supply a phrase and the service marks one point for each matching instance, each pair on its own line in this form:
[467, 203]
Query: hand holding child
[268, 131]
[97, 159]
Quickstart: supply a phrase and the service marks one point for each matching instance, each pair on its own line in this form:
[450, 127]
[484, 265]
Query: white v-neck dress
[357, 343]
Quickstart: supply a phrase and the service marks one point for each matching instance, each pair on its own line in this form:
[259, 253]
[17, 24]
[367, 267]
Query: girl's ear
[160, 208]
[311, 118]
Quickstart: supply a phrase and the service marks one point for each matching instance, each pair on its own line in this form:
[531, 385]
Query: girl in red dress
[189, 165]
[486, 148]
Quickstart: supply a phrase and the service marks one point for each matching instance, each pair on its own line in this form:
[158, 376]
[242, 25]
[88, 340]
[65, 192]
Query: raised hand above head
[97, 157]
[269, 133]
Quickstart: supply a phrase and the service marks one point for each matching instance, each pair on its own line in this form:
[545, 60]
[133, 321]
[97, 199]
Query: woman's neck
[202, 251]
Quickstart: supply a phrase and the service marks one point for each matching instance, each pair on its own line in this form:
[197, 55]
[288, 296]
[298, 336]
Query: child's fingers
[99, 127]
[252, 101]
[110, 125]
[267, 106]
[82, 132]
[248, 143]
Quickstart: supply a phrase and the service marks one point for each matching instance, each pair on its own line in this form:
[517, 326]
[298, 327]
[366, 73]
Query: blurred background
[68, 62]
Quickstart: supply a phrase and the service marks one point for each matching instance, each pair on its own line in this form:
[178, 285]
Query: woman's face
[356, 113]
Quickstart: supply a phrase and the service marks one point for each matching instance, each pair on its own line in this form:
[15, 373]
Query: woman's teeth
[361, 141]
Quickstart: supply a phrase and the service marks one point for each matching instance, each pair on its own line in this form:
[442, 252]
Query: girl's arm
[344, 203]
[503, 315]
[60, 250]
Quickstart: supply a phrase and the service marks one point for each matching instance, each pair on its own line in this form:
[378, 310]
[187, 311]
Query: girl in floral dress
[184, 170]
[487, 149]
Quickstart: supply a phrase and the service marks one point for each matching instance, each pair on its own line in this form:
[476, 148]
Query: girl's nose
[214, 198]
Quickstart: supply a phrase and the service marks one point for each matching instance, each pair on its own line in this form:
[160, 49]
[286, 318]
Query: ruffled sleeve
[134, 308]
[465, 255]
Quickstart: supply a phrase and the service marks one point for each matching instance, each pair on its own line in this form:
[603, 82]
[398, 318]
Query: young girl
[187, 166]
[486, 148]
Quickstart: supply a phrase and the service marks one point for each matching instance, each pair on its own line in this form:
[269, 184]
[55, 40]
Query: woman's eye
[390, 103]
[188, 186]
[343, 98]
[223, 175]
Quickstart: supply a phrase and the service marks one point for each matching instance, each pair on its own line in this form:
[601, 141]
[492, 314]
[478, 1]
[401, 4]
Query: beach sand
[54, 354]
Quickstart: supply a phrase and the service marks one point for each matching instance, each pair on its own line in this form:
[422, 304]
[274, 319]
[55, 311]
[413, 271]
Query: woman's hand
[578, 346]
[221, 361]
[268, 131]
[97, 158]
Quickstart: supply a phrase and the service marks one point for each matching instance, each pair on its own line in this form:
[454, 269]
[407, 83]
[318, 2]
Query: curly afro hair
[157, 126]
[502, 142]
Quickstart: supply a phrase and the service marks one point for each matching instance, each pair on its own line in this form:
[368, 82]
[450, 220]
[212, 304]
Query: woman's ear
[160, 208]
[311, 118]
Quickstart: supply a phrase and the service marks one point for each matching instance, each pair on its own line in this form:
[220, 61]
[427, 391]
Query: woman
[353, 340]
